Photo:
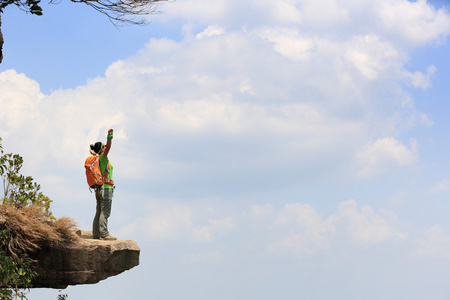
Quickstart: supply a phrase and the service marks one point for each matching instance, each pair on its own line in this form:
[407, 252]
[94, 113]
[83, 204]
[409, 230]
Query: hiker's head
[97, 147]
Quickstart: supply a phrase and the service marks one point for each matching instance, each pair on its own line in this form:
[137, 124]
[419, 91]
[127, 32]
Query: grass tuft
[31, 229]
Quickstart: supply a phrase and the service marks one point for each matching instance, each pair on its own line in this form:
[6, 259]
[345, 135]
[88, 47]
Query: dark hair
[96, 147]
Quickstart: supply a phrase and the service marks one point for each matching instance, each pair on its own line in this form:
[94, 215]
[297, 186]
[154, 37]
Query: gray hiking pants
[103, 211]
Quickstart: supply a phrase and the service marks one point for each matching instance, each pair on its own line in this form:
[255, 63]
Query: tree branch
[1, 40]
[123, 11]
[119, 12]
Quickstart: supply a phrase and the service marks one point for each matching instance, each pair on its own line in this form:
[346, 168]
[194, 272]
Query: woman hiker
[103, 194]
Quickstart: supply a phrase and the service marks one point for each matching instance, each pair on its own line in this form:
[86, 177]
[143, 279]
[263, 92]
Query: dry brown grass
[30, 229]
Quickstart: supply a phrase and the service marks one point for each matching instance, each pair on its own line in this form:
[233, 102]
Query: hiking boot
[108, 238]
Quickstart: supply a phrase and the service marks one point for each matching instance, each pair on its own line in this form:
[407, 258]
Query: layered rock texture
[87, 261]
[64, 255]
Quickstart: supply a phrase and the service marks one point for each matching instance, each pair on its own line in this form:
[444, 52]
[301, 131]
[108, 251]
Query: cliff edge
[63, 255]
[86, 261]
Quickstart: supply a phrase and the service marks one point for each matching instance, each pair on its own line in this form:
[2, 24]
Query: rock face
[85, 262]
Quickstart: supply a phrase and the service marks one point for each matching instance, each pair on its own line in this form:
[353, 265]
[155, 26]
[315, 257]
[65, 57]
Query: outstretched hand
[108, 143]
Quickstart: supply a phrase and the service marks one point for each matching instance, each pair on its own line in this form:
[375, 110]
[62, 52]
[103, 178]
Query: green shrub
[19, 191]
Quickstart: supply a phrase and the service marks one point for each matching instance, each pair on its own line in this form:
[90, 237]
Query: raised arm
[108, 143]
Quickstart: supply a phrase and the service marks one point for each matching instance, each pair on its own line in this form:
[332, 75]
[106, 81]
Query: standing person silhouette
[103, 194]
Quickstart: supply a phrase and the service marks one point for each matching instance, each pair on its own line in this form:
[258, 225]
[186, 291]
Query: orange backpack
[94, 176]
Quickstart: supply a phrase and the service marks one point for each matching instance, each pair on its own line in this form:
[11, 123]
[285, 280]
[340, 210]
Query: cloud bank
[267, 94]
[256, 98]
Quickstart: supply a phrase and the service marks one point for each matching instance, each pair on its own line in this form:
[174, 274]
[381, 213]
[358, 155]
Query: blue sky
[263, 150]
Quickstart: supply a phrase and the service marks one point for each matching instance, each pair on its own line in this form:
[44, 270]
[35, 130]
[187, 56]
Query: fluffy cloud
[257, 103]
[368, 227]
[20, 98]
[416, 22]
[376, 157]
[297, 228]
[294, 229]
[198, 123]
[434, 243]
[174, 222]
[300, 229]
[403, 22]
[439, 188]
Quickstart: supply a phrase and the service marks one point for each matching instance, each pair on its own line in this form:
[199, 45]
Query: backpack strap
[104, 175]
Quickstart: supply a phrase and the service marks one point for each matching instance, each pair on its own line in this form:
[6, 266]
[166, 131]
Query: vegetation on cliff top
[26, 225]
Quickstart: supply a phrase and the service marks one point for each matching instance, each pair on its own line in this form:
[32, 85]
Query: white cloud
[295, 229]
[167, 223]
[288, 42]
[401, 21]
[298, 228]
[19, 98]
[197, 10]
[383, 154]
[439, 188]
[434, 243]
[419, 79]
[311, 99]
[175, 222]
[266, 98]
[425, 120]
[399, 197]
[373, 57]
[259, 102]
[415, 22]
[213, 228]
[210, 31]
[367, 227]
[203, 258]
[323, 12]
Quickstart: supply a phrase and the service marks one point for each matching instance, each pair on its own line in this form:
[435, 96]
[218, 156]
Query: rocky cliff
[63, 255]
[86, 261]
